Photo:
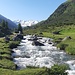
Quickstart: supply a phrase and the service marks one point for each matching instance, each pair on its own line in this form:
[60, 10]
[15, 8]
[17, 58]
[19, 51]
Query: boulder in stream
[36, 43]
[18, 36]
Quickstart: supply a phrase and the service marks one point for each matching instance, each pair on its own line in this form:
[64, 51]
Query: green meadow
[68, 45]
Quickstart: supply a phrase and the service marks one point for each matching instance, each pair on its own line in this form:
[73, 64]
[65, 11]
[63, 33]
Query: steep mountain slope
[10, 23]
[63, 15]
[26, 23]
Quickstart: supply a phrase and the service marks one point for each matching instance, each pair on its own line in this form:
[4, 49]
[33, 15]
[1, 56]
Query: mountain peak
[26, 23]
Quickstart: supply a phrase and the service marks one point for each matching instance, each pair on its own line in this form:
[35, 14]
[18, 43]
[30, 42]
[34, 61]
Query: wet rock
[50, 43]
[56, 32]
[17, 37]
[24, 38]
[33, 39]
[7, 39]
[23, 56]
[36, 43]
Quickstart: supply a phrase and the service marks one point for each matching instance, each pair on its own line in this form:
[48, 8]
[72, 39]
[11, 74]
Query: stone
[36, 43]
[66, 38]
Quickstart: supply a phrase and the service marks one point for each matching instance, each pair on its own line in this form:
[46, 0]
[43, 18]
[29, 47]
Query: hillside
[63, 15]
[59, 25]
[10, 23]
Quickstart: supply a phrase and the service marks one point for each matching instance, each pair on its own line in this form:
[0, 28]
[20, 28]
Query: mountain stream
[28, 54]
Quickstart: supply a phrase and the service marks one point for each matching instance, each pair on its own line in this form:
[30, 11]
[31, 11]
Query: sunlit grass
[39, 71]
[65, 31]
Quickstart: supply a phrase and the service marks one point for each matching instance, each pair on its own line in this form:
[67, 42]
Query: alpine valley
[39, 48]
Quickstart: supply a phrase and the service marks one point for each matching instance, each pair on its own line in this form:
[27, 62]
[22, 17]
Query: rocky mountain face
[11, 24]
[63, 15]
[26, 23]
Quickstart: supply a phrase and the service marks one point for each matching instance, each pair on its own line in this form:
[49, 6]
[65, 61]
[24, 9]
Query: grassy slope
[5, 55]
[63, 15]
[64, 32]
[56, 69]
[22, 72]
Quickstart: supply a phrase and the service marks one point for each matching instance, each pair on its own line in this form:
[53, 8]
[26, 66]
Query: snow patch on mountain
[26, 23]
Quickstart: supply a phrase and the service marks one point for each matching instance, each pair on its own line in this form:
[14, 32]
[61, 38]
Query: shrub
[58, 70]
[7, 64]
[13, 44]
[62, 46]
[70, 50]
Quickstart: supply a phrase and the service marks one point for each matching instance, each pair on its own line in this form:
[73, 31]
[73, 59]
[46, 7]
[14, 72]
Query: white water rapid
[46, 55]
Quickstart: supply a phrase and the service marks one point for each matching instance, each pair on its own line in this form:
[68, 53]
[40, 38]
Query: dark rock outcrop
[56, 32]
[18, 37]
[7, 39]
[36, 43]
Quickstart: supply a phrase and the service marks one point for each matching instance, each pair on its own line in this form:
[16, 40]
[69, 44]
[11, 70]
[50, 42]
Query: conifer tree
[20, 28]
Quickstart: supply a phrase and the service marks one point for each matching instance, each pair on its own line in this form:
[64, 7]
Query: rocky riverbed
[41, 52]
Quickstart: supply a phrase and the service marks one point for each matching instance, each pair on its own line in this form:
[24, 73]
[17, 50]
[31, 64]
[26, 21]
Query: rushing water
[41, 56]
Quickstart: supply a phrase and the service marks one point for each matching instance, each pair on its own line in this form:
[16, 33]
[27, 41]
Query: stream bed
[41, 52]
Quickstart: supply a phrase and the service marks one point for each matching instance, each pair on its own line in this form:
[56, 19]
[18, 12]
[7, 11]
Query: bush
[7, 64]
[58, 70]
[62, 46]
[70, 50]
[13, 44]
[38, 71]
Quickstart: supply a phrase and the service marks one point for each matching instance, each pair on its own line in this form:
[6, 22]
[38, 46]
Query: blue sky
[28, 9]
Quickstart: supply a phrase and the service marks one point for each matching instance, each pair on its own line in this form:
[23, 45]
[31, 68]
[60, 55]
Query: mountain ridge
[26, 23]
[63, 15]
[11, 24]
